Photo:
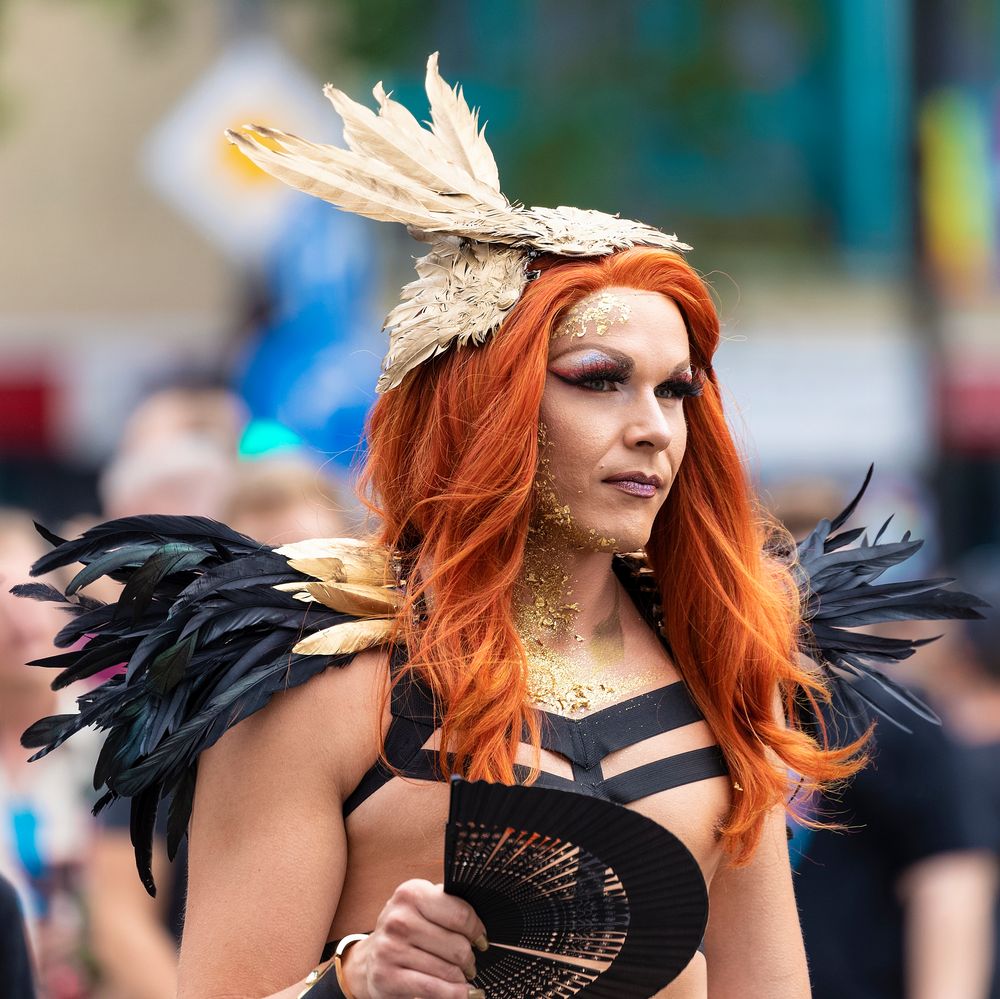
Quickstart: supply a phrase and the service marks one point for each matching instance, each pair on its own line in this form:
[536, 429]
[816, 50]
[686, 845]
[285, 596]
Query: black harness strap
[413, 723]
[587, 741]
[662, 775]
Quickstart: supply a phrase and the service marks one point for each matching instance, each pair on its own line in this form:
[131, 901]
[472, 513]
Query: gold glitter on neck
[596, 313]
[549, 605]
[566, 673]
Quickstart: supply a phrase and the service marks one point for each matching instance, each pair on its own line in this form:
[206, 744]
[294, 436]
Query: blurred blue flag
[312, 370]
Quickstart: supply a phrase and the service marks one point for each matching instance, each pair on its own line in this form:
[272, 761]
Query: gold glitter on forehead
[594, 314]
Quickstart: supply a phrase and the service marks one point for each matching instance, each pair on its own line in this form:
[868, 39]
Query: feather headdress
[442, 183]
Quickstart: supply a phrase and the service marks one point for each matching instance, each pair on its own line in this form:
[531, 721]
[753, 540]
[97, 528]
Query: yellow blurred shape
[242, 169]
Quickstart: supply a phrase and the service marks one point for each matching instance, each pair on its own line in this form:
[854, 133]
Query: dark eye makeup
[601, 374]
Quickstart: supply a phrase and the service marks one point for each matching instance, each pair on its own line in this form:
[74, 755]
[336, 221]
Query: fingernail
[470, 971]
[477, 994]
[481, 943]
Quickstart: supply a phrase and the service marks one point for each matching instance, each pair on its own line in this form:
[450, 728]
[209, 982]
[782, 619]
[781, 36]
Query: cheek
[571, 432]
[678, 442]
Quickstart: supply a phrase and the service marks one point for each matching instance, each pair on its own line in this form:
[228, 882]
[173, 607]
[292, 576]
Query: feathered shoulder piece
[209, 625]
[441, 182]
[838, 574]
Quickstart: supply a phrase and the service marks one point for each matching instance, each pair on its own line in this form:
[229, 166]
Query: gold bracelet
[314, 976]
[343, 946]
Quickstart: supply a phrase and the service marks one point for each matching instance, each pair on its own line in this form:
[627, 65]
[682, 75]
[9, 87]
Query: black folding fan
[579, 896]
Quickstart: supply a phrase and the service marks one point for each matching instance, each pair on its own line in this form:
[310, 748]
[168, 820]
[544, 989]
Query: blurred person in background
[204, 411]
[897, 904]
[178, 473]
[15, 961]
[177, 456]
[45, 826]
[964, 683]
[287, 497]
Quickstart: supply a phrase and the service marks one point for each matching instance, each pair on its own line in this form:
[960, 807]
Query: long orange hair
[450, 471]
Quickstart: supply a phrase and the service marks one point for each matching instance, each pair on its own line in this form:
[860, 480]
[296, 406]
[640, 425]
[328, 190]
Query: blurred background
[178, 332]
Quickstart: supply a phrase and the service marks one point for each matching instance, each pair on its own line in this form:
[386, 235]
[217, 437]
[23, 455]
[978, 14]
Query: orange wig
[450, 471]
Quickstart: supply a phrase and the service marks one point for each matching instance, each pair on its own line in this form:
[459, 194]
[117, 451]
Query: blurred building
[834, 163]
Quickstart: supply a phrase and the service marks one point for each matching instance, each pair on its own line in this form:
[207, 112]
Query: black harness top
[584, 743]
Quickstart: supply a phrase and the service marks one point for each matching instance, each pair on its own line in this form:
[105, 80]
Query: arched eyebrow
[625, 361]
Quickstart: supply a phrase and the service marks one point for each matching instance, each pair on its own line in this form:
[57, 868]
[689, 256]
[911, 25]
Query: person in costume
[569, 587]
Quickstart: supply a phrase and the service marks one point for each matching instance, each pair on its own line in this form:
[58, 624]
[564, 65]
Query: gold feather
[343, 639]
[463, 291]
[442, 183]
[340, 560]
[358, 600]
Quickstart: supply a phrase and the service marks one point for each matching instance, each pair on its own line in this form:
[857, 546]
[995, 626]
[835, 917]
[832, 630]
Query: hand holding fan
[579, 896]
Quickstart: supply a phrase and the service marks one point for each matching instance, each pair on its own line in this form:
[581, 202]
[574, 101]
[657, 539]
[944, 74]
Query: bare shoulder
[328, 728]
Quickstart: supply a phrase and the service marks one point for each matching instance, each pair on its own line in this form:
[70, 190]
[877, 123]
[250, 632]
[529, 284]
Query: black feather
[179, 813]
[168, 668]
[39, 591]
[837, 584]
[141, 827]
[207, 641]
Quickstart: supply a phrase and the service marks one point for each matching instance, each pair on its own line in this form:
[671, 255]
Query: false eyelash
[680, 386]
[601, 371]
[685, 386]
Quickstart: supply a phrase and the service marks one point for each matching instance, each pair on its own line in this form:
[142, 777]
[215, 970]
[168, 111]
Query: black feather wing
[207, 640]
[837, 573]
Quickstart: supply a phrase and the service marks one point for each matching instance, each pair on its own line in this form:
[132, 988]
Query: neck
[566, 593]
[570, 624]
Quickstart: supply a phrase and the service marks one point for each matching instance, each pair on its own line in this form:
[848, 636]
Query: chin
[627, 537]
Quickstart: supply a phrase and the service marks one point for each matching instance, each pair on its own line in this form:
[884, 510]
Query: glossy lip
[641, 477]
[637, 484]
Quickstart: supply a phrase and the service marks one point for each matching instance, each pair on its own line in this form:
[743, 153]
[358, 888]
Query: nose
[650, 422]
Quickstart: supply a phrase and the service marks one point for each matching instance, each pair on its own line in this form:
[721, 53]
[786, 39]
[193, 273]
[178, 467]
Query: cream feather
[458, 128]
[354, 190]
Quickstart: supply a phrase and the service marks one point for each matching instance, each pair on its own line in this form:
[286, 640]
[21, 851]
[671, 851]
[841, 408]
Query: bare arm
[136, 953]
[268, 856]
[948, 901]
[267, 843]
[754, 944]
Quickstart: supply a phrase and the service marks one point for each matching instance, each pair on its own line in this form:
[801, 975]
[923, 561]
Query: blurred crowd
[899, 901]
[91, 929]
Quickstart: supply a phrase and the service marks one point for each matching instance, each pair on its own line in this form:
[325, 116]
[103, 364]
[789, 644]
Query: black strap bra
[585, 742]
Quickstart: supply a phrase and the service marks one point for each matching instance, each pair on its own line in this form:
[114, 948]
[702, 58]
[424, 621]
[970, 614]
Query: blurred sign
[957, 191]
[189, 163]
[816, 399]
